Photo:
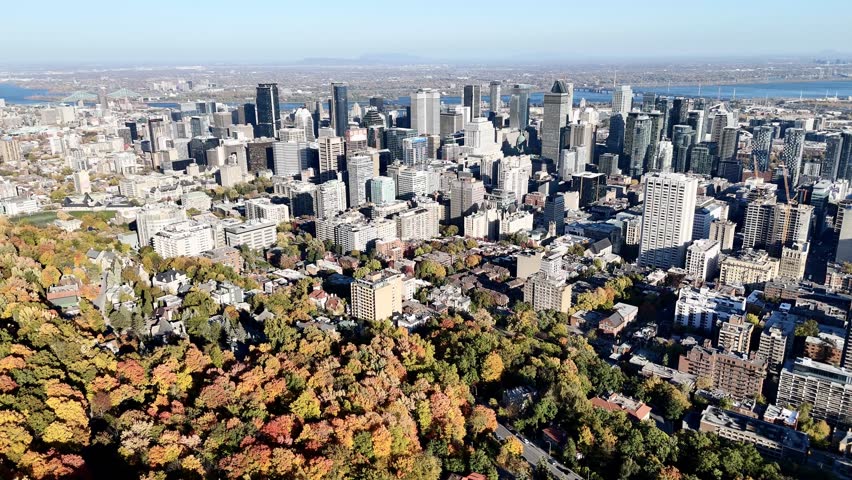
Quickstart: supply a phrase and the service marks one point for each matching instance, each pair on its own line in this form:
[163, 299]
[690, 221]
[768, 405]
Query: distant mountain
[367, 59]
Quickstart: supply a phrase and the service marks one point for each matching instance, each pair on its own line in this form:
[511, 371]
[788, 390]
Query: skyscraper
[415, 151]
[339, 108]
[378, 103]
[700, 160]
[728, 142]
[649, 101]
[637, 142]
[519, 107]
[360, 171]
[268, 110]
[466, 195]
[677, 115]
[761, 146]
[382, 190]
[394, 138]
[770, 225]
[622, 99]
[794, 145]
[667, 219]
[554, 211]
[473, 99]
[615, 140]
[331, 155]
[494, 97]
[844, 163]
[289, 158]
[331, 198]
[426, 112]
[683, 137]
[831, 160]
[557, 114]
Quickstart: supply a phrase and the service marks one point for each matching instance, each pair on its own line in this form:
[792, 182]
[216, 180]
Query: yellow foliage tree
[492, 367]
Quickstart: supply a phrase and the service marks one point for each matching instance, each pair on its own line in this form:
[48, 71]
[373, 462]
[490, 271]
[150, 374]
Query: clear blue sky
[270, 31]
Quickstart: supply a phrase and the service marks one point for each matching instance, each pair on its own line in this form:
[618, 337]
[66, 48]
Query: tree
[450, 231]
[431, 270]
[808, 329]
[492, 367]
[513, 446]
[306, 406]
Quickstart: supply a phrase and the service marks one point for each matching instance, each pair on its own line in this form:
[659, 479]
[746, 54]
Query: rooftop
[753, 427]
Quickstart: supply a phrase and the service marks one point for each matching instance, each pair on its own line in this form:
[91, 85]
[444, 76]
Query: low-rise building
[616, 401]
[615, 323]
[773, 441]
[825, 348]
[229, 256]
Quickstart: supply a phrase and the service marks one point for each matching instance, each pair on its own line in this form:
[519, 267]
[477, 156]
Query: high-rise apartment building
[331, 198]
[791, 156]
[262, 209]
[735, 335]
[382, 190]
[761, 146]
[828, 389]
[82, 184]
[185, 239]
[637, 142]
[546, 292]
[377, 296]
[466, 196]
[735, 375]
[771, 225]
[255, 235]
[667, 219]
[332, 154]
[151, 219]
[702, 259]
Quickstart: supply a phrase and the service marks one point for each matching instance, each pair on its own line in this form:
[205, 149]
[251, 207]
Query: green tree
[808, 329]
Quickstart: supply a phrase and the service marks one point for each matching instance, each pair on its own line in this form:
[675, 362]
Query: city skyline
[433, 35]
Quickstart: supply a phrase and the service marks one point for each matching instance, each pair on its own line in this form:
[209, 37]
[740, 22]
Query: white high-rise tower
[667, 221]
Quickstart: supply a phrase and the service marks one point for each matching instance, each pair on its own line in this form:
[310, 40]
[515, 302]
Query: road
[533, 454]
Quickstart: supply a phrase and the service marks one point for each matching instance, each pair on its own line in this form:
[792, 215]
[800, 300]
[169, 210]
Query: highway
[533, 454]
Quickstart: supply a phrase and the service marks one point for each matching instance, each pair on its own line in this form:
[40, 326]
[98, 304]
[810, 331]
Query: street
[533, 454]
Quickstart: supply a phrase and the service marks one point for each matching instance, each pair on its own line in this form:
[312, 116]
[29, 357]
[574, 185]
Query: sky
[280, 31]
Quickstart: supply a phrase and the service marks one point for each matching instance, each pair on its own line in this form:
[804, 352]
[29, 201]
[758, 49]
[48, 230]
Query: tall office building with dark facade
[339, 106]
[473, 99]
[268, 110]
[557, 114]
